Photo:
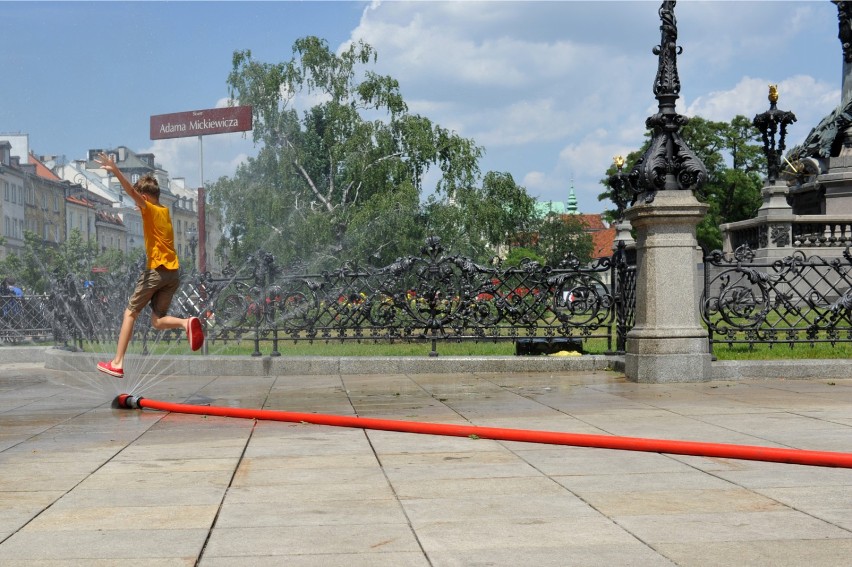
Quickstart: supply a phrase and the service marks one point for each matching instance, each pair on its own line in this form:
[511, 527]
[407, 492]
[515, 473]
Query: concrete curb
[58, 359]
[23, 354]
[781, 369]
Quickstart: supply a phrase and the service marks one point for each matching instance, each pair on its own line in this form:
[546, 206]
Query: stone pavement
[84, 484]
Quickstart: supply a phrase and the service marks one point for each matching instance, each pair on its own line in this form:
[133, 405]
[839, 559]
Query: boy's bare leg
[124, 336]
[192, 327]
[167, 322]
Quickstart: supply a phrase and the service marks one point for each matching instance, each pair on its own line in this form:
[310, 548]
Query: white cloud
[534, 181]
[554, 90]
[808, 98]
[523, 122]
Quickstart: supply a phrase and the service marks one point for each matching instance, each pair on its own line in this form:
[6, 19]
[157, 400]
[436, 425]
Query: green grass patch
[781, 351]
[337, 348]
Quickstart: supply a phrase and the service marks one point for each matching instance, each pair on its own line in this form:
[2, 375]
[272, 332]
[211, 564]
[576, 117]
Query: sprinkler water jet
[669, 446]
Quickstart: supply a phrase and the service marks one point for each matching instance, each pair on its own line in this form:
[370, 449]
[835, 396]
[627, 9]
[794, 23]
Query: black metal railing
[434, 297]
[624, 292]
[25, 318]
[799, 299]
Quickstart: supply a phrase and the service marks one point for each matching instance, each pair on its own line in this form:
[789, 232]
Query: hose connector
[126, 401]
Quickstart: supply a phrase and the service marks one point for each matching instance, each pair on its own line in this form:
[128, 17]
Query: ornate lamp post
[772, 123]
[192, 235]
[622, 193]
[667, 342]
[775, 214]
[81, 180]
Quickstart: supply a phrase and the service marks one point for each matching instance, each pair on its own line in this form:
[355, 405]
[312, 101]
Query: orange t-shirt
[159, 237]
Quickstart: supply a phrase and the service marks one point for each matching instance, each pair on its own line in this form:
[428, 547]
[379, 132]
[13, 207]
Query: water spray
[694, 448]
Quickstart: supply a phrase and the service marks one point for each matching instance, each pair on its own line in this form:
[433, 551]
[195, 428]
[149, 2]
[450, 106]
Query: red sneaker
[108, 368]
[195, 333]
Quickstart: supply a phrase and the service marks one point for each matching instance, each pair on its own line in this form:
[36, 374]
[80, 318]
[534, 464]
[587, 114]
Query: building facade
[52, 197]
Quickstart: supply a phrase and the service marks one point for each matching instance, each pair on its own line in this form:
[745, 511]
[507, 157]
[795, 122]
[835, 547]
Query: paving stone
[786, 552]
[82, 484]
[305, 539]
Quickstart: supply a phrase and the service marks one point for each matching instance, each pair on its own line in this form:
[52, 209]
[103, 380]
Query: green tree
[359, 146]
[733, 187]
[505, 208]
[459, 231]
[560, 235]
[519, 253]
[40, 265]
[477, 220]
[387, 226]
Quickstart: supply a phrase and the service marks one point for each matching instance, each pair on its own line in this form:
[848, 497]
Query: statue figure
[844, 17]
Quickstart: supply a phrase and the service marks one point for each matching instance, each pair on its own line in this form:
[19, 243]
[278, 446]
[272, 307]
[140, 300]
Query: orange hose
[701, 449]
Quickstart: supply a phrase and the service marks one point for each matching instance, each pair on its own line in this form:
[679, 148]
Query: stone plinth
[667, 342]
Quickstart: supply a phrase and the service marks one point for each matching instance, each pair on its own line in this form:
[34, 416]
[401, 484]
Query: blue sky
[551, 90]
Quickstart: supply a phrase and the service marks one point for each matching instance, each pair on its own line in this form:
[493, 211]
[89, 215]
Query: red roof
[42, 170]
[592, 222]
[603, 237]
[603, 241]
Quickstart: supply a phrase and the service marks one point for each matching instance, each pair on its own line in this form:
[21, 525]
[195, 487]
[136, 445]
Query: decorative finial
[668, 163]
[619, 162]
[773, 93]
[667, 81]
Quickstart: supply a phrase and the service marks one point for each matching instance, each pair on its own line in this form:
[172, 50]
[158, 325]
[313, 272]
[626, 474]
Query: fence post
[667, 342]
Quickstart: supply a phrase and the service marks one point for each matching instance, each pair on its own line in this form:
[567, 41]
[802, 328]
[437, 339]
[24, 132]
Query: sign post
[201, 123]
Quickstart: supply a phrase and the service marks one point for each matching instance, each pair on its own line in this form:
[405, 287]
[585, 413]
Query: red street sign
[201, 122]
[98, 270]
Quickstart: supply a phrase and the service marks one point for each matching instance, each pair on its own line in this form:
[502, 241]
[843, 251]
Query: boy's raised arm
[109, 165]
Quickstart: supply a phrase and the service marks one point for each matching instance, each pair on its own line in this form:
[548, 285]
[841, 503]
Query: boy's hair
[148, 185]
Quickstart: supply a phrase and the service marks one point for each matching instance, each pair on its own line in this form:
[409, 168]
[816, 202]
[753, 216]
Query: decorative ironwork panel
[798, 299]
[624, 285]
[431, 297]
[440, 297]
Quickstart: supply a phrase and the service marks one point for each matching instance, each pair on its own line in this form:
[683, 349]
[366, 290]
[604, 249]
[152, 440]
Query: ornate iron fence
[25, 318]
[799, 299]
[433, 297]
[624, 292]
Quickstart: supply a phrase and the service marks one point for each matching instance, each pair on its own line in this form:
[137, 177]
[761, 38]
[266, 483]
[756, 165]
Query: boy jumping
[160, 279]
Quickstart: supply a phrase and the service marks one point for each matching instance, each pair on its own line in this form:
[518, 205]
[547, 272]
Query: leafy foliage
[561, 235]
[343, 174]
[38, 266]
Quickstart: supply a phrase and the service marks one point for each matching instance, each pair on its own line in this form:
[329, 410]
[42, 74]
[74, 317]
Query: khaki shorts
[154, 287]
